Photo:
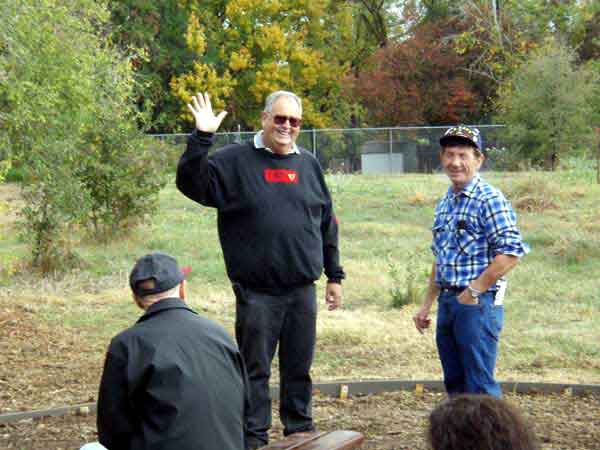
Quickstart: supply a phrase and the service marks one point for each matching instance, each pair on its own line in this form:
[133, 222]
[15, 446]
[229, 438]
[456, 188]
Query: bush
[407, 286]
[14, 175]
[546, 108]
[122, 172]
[504, 159]
[68, 119]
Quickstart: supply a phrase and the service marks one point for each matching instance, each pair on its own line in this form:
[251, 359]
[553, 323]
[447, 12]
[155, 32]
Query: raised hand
[203, 114]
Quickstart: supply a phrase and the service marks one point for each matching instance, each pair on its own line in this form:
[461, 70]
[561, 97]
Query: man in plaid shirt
[475, 243]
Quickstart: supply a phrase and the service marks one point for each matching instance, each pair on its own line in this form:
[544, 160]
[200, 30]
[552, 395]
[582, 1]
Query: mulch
[389, 421]
[44, 366]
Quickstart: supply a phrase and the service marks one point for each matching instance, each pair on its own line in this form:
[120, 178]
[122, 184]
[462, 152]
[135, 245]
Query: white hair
[272, 98]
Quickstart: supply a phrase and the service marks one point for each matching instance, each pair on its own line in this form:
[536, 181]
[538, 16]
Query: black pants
[263, 320]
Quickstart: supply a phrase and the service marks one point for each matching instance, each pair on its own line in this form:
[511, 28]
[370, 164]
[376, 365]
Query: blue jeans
[467, 340]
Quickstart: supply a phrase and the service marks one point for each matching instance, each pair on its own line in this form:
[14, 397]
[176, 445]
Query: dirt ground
[43, 367]
[390, 421]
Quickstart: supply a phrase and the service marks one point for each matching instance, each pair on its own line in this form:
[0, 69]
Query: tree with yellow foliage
[246, 49]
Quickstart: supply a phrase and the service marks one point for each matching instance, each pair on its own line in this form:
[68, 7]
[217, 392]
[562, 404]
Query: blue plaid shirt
[470, 228]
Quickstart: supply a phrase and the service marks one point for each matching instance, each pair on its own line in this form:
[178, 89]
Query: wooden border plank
[367, 387]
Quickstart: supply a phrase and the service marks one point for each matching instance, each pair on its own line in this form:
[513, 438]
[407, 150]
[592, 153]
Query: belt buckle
[451, 289]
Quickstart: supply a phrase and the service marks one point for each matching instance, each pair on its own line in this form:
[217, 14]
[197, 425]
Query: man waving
[278, 232]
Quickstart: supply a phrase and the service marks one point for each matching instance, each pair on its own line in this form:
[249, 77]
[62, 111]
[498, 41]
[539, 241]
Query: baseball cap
[161, 268]
[462, 134]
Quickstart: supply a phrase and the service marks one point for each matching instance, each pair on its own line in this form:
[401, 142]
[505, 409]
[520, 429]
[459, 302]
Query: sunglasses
[295, 122]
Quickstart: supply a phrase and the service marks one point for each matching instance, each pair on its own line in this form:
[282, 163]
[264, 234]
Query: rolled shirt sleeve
[500, 224]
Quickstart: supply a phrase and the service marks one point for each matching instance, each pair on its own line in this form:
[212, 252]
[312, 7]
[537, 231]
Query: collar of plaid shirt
[468, 190]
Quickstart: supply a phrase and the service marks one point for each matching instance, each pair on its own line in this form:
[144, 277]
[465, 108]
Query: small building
[379, 157]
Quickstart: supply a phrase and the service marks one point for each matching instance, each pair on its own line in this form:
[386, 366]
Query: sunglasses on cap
[295, 122]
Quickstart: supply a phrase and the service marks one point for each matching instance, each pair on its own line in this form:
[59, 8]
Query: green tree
[545, 106]
[497, 35]
[252, 48]
[589, 48]
[377, 22]
[65, 117]
[155, 31]
[329, 35]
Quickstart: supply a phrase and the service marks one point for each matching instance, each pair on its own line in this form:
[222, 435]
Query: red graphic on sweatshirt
[281, 176]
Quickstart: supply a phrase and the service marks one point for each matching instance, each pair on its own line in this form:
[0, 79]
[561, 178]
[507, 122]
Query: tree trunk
[551, 161]
[597, 155]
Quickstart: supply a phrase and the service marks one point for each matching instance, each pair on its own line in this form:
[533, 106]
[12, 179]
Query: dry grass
[61, 325]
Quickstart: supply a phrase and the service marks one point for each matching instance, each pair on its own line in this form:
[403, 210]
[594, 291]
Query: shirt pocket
[441, 239]
[470, 241]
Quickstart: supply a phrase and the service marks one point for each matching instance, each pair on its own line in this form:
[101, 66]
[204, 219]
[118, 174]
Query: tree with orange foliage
[419, 80]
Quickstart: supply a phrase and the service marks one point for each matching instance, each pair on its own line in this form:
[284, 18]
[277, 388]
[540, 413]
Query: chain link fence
[368, 150]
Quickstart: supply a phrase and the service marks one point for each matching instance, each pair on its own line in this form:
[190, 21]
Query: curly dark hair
[479, 422]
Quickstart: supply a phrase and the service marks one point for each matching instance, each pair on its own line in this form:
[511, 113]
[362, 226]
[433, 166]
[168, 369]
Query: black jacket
[173, 381]
[275, 216]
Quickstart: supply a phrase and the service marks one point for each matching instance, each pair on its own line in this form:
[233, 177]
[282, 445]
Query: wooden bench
[333, 440]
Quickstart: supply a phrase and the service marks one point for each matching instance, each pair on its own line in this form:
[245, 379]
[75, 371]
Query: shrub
[408, 284]
[546, 107]
[14, 175]
[68, 118]
[122, 172]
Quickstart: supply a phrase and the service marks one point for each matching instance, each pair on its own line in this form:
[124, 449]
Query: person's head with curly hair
[479, 422]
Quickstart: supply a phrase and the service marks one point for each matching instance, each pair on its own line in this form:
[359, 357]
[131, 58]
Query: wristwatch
[474, 292]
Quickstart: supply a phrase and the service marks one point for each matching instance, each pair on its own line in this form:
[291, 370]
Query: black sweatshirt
[275, 217]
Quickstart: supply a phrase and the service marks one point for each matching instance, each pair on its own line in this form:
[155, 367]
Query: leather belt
[452, 288]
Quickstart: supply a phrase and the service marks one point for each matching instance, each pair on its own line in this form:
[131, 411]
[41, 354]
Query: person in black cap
[174, 380]
[475, 243]
[278, 232]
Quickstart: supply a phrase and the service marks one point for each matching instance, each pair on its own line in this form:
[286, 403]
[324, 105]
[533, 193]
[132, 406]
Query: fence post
[391, 146]
[597, 130]
[314, 142]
